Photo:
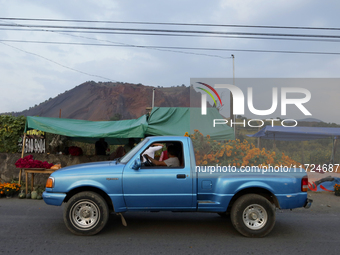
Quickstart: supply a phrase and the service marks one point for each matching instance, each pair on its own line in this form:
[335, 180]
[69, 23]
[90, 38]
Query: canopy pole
[274, 144]
[22, 155]
[23, 146]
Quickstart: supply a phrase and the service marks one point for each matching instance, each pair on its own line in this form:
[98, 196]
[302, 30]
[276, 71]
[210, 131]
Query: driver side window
[163, 155]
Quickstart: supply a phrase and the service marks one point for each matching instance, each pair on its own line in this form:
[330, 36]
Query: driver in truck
[172, 161]
[152, 149]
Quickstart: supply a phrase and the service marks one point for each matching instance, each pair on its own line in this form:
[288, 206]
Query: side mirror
[137, 164]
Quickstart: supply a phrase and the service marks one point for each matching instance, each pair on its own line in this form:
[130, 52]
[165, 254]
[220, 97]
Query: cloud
[21, 70]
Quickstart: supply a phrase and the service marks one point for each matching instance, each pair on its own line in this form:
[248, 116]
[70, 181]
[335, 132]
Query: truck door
[159, 188]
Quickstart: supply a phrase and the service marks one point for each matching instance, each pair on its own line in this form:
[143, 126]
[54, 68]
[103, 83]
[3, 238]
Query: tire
[253, 215]
[86, 213]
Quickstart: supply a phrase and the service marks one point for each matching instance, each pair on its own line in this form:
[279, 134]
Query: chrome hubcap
[255, 217]
[84, 214]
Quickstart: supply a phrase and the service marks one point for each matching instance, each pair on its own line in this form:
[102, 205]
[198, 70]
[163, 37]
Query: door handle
[181, 176]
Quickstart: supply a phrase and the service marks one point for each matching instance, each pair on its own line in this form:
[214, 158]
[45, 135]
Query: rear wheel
[86, 213]
[253, 215]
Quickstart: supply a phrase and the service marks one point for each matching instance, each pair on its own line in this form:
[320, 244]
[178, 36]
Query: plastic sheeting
[178, 120]
[114, 132]
[162, 121]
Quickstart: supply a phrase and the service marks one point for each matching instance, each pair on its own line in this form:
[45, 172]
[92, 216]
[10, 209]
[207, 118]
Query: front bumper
[53, 198]
[308, 203]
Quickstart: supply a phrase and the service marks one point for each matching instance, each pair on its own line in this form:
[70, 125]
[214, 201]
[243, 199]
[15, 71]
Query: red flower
[29, 162]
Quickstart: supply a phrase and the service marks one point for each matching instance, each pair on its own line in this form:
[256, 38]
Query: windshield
[130, 154]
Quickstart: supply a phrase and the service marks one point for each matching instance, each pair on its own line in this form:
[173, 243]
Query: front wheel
[253, 215]
[86, 213]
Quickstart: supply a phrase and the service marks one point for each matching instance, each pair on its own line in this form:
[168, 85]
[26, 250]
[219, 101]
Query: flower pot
[337, 192]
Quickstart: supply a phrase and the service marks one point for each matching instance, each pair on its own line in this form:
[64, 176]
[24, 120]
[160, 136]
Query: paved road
[32, 227]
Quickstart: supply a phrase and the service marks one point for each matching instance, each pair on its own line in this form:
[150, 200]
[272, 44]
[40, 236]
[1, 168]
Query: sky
[32, 70]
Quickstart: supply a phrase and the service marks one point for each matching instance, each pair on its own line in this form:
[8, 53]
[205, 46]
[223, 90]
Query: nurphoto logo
[239, 99]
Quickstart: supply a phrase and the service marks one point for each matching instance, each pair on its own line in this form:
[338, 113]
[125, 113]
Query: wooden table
[33, 171]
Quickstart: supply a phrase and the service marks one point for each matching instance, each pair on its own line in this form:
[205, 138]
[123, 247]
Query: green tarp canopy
[162, 121]
[114, 132]
[178, 120]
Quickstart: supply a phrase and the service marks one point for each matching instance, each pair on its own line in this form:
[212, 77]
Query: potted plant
[337, 189]
[10, 189]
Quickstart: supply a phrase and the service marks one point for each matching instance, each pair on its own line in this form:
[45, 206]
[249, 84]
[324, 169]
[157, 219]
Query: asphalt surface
[32, 227]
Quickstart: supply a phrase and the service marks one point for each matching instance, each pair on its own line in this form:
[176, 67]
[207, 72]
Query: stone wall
[9, 172]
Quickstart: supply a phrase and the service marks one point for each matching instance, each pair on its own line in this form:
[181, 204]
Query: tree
[116, 116]
[11, 129]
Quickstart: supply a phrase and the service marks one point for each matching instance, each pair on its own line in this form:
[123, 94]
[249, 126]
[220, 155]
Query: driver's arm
[155, 162]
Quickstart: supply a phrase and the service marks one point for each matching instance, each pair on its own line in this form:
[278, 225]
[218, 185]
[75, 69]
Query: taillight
[304, 183]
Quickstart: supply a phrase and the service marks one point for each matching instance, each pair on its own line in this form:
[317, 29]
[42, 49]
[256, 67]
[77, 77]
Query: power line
[179, 47]
[167, 48]
[175, 31]
[131, 45]
[172, 34]
[90, 38]
[70, 68]
[175, 24]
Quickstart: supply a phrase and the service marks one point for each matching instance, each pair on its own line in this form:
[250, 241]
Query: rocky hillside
[105, 101]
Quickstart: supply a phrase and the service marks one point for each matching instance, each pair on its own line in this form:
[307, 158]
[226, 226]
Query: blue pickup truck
[135, 183]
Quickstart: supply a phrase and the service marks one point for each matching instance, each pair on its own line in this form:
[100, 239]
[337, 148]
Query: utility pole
[232, 117]
[153, 98]
[149, 109]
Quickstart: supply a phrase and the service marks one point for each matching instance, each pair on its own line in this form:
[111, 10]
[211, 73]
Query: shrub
[11, 128]
[235, 153]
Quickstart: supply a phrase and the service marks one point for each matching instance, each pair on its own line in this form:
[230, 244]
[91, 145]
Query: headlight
[50, 182]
